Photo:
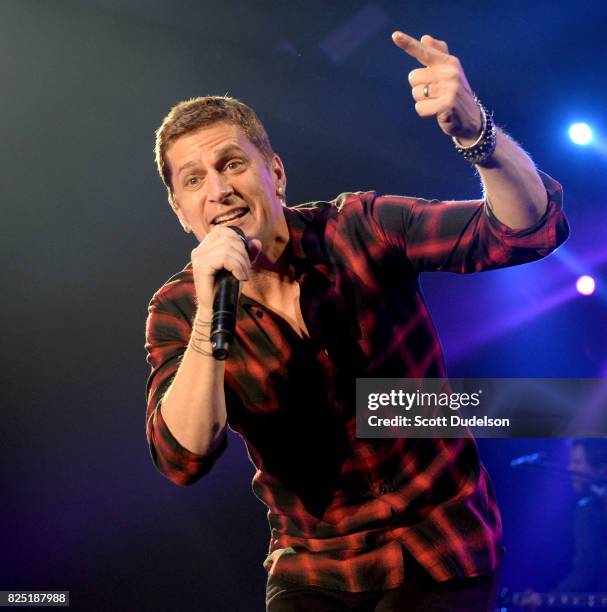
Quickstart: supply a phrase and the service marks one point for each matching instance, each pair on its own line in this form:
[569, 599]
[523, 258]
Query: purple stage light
[585, 285]
[485, 334]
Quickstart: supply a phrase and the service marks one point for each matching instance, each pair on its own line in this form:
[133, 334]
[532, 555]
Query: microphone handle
[225, 304]
[223, 322]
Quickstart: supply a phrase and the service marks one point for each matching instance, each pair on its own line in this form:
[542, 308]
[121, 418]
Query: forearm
[512, 185]
[441, 89]
[194, 406]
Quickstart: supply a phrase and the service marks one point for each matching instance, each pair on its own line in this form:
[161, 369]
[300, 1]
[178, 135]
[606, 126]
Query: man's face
[220, 178]
[578, 462]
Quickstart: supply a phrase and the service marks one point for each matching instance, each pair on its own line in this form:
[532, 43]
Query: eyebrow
[221, 154]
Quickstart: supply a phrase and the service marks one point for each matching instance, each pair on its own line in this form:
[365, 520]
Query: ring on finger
[426, 90]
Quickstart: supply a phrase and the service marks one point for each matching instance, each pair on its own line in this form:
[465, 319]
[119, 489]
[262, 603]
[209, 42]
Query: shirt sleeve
[167, 335]
[465, 236]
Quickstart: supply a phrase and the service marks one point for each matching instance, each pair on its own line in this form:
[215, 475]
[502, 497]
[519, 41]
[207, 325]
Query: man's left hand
[441, 89]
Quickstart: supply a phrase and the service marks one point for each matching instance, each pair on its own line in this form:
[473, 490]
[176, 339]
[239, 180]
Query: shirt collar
[308, 233]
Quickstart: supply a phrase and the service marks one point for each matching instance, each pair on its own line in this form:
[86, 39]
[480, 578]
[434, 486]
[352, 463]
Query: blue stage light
[580, 133]
[585, 285]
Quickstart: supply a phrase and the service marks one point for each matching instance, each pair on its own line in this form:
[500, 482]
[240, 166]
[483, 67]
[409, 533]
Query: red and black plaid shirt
[340, 509]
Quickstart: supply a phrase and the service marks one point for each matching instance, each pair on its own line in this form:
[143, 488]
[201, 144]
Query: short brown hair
[595, 448]
[190, 115]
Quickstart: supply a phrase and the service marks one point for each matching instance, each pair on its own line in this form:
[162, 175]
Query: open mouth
[234, 214]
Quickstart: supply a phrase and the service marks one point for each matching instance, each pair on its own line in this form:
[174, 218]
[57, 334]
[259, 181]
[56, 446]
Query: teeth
[231, 215]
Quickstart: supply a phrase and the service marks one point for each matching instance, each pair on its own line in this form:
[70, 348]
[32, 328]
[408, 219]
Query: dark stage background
[87, 237]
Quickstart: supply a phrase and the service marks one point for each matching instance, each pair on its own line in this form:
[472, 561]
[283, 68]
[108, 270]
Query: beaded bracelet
[479, 152]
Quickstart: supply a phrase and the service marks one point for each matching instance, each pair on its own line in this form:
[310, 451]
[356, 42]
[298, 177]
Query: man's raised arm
[512, 185]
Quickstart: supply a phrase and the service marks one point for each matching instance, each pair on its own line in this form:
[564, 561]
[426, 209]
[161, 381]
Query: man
[588, 467]
[329, 292]
[588, 574]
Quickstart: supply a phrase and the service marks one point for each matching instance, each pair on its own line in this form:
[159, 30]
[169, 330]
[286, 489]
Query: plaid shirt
[340, 509]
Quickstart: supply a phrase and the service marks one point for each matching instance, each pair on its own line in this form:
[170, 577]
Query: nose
[219, 188]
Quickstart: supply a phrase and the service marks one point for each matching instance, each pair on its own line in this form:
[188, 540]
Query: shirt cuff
[175, 461]
[550, 231]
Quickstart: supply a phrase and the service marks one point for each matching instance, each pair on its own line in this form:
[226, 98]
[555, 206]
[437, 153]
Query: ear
[177, 210]
[280, 178]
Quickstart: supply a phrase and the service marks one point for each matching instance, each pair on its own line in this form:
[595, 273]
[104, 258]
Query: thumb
[439, 45]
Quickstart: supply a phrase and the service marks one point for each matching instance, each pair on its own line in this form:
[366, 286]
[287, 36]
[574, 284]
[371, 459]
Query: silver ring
[426, 92]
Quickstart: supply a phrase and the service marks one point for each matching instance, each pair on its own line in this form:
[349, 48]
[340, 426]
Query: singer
[329, 292]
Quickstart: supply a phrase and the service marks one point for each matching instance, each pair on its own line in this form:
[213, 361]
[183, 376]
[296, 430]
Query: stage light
[585, 285]
[580, 133]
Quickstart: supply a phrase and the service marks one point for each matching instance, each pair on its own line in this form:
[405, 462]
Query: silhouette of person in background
[588, 472]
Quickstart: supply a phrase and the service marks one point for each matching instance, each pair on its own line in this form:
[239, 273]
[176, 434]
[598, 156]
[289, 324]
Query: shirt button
[259, 314]
[386, 487]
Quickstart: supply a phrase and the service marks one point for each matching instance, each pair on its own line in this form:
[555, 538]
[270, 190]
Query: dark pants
[419, 592]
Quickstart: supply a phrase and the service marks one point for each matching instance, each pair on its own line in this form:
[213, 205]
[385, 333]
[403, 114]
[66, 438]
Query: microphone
[225, 302]
[527, 459]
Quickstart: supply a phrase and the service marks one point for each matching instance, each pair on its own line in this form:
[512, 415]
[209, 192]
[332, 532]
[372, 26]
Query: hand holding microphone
[219, 262]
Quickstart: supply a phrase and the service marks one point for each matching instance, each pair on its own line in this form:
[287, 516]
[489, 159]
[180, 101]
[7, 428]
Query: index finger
[423, 54]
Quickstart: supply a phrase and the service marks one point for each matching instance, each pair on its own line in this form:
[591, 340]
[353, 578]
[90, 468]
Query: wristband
[479, 152]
